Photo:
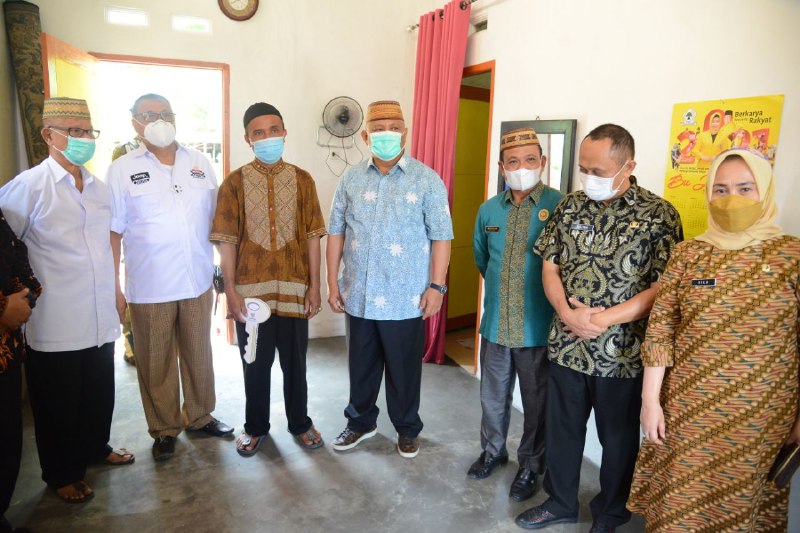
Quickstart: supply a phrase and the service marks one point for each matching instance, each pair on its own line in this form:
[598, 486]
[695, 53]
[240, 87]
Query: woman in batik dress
[720, 392]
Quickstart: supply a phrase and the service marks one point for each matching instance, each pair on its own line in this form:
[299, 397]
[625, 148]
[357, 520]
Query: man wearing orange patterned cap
[63, 215]
[517, 314]
[390, 223]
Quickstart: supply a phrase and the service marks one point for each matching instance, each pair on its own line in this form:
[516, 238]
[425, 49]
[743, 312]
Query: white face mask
[160, 133]
[523, 179]
[600, 189]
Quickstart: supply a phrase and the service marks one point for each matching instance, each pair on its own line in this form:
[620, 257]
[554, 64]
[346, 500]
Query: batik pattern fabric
[15, 275]
[607, 255]
[388, 222]
[270, 214]
[725, 324]
[516, 311]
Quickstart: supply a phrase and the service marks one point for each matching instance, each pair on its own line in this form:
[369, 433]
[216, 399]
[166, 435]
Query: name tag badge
[141, 178]
[582, 227]
[491, 229]
[704, 282]
[198, 174]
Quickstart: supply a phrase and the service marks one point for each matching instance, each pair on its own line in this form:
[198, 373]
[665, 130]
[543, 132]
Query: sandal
[244, 441]
[120, 452]
[311, 439]
[81, 488]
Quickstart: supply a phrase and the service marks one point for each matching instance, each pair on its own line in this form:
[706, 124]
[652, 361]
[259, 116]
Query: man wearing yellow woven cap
[163, 197]
[63, 214]
[517, 314]
[390, 222]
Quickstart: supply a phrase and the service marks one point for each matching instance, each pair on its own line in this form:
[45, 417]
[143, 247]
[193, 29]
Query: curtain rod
[462, 5]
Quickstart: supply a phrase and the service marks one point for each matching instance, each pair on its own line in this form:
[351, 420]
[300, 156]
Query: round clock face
[238, 9]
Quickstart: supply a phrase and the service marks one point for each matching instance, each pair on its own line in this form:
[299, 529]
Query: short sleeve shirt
[269, 214]
[388, 222]
[606, 255]
[164, 216]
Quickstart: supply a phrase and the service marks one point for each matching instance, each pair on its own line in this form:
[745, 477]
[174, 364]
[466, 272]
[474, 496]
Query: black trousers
[290, 337]
[11, 434]
[393, 345]
[616, 402]
[72, 399]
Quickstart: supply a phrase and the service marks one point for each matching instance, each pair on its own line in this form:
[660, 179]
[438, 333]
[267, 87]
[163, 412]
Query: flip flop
[244, 441]
[79, 486]
[311, 434]
[122, 452]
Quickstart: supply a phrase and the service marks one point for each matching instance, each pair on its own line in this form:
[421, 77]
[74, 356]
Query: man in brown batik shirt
[268, 226]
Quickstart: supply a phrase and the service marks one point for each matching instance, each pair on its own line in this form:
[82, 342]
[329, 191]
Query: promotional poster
[701, 130]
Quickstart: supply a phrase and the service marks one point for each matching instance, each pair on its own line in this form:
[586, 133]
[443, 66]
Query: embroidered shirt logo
[198, 174]
[141, 178]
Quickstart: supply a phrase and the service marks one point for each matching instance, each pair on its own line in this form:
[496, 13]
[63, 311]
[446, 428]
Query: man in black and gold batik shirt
[604, 250]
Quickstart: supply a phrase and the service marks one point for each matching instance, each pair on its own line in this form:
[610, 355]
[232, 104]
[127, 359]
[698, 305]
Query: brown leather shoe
[408, 447]
[349, 439]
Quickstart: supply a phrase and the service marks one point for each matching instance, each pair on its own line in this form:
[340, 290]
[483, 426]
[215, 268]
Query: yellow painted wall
[468, 190]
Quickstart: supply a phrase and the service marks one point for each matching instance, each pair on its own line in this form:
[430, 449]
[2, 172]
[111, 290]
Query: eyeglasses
[78, 132]
[152, 116]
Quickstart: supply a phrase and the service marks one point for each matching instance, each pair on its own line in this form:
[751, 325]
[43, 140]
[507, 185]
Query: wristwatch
[440, 288]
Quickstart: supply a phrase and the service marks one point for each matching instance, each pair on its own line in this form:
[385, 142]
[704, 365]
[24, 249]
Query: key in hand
[258, 312]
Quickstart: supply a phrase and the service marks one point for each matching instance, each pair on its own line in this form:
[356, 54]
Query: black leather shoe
[599, 527]
[163, 448]
[539, 517]
[215, 428]
[524, 485]
[486, 463]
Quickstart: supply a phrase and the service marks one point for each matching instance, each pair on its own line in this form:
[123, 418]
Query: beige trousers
[174, 339]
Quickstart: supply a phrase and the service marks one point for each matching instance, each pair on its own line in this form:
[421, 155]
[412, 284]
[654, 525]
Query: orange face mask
[735, 213]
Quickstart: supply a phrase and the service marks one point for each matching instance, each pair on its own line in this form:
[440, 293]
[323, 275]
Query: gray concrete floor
[208, 487]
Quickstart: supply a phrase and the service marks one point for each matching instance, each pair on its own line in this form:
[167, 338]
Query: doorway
[469, 192]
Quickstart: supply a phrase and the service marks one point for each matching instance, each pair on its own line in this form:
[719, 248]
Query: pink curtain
[441, 48]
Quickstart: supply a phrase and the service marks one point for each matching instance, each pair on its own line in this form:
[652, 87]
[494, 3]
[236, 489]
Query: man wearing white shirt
[63, 214]
[163, 197]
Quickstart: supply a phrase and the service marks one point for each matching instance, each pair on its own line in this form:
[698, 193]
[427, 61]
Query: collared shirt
[164, 216]
[270, 214]
[15, 275]
[388, 224]
[67, 235]
[607, 255]
[516, 311]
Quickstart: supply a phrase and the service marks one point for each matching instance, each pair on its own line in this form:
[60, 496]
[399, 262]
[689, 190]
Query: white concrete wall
[629, 62]
[294, 54]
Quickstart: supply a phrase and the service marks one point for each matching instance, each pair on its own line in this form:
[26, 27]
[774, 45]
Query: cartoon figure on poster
[700, 131]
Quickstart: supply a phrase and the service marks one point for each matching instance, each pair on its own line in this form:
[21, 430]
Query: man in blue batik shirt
[390, 223]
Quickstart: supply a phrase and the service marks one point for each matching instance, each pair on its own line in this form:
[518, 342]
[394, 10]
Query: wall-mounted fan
[341, 119]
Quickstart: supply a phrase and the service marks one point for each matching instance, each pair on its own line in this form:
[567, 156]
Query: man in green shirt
[517, 314]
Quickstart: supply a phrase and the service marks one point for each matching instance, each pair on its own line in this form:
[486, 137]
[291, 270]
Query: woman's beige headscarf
[764, 228]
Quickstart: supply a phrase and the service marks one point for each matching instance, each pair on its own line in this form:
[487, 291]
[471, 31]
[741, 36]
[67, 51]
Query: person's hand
[578, 321]
[794, 435]
[431, 302]
[122, 304]
[236, 307]
[313, 302]
[17, 311]
[652, 420]
[335, 298]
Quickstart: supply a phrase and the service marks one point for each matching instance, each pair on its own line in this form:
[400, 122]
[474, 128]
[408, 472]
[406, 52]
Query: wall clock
[238, 9]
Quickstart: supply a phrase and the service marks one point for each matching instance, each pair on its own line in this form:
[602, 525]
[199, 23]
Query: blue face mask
[78, 150]
[268, 150]
[385, 144]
